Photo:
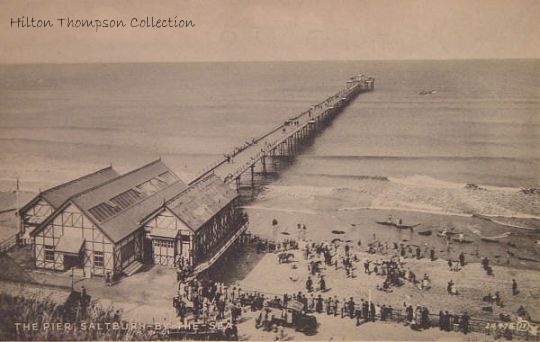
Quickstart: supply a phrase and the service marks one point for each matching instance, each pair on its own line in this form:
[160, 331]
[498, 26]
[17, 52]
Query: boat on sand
[398, 223]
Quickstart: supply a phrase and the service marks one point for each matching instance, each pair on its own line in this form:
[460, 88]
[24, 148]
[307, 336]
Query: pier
[287, 138]
[170, 222]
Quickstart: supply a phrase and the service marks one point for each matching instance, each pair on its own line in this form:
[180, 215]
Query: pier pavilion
[145, 216]
[98, 230]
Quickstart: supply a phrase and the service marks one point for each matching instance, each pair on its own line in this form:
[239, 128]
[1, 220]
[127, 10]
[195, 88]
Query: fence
[8, 243]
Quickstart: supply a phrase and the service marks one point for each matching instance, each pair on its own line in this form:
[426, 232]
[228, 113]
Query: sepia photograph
[271, 170]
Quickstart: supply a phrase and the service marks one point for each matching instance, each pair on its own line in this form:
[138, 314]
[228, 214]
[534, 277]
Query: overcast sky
[268, 30]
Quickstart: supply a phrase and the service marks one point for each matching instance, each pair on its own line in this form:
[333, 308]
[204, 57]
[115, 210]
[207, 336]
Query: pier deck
[284, 139]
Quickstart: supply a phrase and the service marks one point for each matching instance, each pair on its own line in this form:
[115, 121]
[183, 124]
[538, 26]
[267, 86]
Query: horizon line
[275, 61]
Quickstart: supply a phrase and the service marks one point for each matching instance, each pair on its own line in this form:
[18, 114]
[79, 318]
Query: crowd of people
[205, 302]
[211, 301]
[344, 257]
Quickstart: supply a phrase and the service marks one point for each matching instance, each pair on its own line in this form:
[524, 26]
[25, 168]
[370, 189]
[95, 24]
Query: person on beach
[409, 314]
[514, 287]
[350, 307]
[462, 259]
[108, 279]
[445, 321]
[449, 287]
[309, 285]
[322, 284]
[319, 304]
[371, 312]
[464, 323]
[366, 266]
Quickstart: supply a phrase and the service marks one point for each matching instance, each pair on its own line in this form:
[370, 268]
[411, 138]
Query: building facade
[99, 230]
[145, 216]
[46, 202]
[192, 227]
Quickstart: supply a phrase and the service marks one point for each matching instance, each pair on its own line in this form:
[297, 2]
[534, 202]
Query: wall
[95, 241]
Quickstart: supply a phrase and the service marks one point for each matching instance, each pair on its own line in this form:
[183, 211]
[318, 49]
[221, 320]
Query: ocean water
[390, 148]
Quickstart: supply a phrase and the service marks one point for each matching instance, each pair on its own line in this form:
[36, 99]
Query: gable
[69, 215]
[166, 219]
[38, 212]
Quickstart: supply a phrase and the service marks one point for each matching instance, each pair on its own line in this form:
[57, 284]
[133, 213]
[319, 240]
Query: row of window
[164, 243]
[99, 257]
[131, 196]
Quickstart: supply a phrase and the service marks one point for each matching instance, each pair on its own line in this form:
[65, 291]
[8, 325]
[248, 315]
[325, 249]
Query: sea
[394, 147]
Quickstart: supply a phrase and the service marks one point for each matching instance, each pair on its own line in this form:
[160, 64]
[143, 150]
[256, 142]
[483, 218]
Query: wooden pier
[286, 138]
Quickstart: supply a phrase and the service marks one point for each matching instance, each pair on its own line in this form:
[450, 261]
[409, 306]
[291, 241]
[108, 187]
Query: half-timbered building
[46, 202]
[195, 225]
[99, 229]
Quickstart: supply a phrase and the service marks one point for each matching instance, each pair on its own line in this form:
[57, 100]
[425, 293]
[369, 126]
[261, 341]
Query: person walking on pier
[514, 287]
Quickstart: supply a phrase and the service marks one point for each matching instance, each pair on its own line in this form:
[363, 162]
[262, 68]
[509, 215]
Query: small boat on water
[427, 232]
[489, 240]
[427, 92]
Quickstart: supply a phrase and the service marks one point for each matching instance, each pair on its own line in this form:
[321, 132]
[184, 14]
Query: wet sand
[360, 225]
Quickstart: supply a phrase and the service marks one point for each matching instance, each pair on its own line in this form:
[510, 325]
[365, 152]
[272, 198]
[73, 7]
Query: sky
[274, 30]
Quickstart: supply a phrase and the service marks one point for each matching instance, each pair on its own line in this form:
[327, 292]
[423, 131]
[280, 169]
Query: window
[98, 259]
[127, 250]
[164, 243]
[49, 253]
[184, 238]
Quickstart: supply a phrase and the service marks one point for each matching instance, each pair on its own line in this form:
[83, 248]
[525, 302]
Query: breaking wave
[414, 193]
[417, 158]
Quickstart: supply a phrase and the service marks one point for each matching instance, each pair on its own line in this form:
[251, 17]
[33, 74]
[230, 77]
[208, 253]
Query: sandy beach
[267, 275]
